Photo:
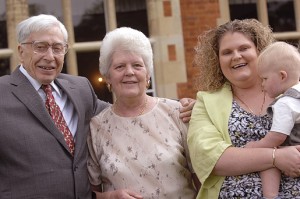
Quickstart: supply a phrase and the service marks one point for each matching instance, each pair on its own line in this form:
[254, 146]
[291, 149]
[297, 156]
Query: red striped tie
[58, 118]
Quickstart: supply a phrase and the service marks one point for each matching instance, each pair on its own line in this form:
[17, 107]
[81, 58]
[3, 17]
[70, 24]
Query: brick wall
[197, 16]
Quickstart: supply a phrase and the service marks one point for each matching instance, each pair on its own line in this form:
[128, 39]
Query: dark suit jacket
[34, 158]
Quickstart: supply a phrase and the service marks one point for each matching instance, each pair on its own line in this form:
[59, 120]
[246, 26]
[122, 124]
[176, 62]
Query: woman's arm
[210, 145]
[287, 159]
[238, 161]
[207, 131]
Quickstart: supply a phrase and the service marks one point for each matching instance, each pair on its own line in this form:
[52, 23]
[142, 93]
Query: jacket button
[75, 168]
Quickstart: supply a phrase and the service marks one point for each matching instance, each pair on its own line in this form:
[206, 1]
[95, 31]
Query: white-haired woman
[137, 146]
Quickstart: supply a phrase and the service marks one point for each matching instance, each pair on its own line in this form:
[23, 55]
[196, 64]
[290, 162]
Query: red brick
[197, 16]
[167, 8]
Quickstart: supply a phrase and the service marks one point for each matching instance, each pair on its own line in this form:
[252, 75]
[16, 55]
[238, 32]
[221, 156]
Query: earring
[148, 84]
[108, 87]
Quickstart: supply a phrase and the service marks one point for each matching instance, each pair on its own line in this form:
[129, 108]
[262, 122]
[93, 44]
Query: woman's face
[238, 58]
[127, 75]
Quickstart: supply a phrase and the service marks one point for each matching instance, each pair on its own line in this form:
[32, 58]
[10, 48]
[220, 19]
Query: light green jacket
[208, 137]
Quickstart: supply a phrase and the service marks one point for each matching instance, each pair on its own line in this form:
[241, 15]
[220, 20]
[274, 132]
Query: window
[242, 9]
[4, 67]
[88, 20]
[281, 15]
[4, 61]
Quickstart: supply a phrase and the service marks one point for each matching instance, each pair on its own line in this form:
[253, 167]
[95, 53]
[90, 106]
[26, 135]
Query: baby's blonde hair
[281, 56]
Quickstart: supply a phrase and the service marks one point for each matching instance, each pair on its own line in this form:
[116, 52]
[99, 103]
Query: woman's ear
[107, 79]
[148, 77]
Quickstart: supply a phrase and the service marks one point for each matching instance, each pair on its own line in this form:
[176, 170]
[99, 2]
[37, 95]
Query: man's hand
[186, 109]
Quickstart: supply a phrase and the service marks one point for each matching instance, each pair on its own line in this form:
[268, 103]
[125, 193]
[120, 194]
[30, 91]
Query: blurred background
[172, 26]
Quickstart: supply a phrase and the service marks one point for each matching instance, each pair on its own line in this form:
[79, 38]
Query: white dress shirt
[66, 106]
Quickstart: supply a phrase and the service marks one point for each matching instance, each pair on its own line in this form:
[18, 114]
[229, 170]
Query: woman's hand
[186, 109]
[118, 194]
[287, 159]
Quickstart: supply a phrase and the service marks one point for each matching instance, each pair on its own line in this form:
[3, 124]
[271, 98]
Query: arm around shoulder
[186, 109]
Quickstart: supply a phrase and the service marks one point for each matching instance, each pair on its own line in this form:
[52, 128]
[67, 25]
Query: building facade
[172, 26]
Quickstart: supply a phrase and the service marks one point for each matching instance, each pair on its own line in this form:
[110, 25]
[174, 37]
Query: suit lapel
[26, 93]
[73, 94]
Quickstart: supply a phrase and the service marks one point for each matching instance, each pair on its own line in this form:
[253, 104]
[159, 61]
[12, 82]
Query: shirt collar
[36, 84]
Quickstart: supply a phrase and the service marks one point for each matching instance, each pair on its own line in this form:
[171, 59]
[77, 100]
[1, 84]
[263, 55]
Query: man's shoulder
[4, 78]
[71, 77]
[79, 81]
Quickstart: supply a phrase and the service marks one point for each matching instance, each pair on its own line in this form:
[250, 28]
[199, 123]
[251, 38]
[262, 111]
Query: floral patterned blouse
[147, 154]
[245, 127]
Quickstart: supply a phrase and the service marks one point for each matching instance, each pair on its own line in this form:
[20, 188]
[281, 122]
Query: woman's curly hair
[211, 77]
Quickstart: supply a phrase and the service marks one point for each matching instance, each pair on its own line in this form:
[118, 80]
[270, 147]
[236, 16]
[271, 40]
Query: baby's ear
[283, 74]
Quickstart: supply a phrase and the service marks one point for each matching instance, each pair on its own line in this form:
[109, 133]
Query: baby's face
[271, 80]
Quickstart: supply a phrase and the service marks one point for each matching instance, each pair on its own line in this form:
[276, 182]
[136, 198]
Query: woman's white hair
[127, 39]
[39, 23]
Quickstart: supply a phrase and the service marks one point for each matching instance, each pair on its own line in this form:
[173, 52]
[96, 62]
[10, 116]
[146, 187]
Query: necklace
[261, 108]
[142, 109]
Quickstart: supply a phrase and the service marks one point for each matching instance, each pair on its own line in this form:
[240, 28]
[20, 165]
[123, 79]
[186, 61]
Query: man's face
[43, 67]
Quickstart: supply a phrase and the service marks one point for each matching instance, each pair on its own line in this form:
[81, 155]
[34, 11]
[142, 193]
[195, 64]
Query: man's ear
[283, 75]
[20, 53]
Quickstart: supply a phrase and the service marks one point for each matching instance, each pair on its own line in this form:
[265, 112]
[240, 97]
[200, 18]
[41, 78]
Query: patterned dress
[147, 154]
[245, 127]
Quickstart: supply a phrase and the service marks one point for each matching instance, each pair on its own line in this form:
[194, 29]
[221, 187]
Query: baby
[279, 69]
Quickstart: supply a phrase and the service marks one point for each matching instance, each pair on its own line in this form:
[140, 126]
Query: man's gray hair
[39, 23]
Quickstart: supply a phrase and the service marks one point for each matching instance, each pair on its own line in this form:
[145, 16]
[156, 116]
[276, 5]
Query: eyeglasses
[42, 47]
